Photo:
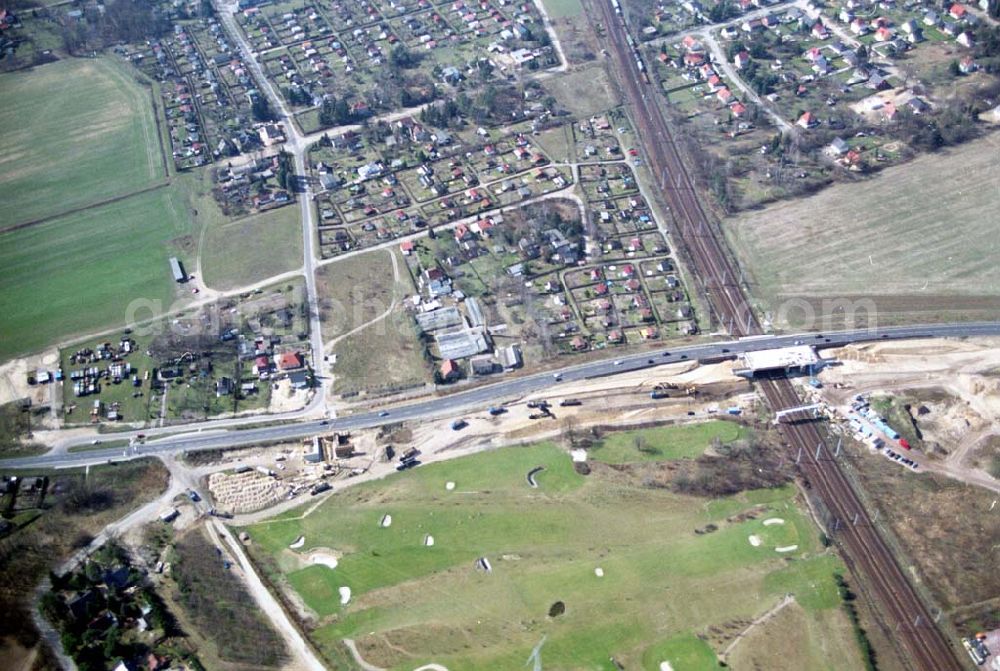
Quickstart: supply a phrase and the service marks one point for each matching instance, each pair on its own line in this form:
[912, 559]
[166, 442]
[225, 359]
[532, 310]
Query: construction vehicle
[670, 386]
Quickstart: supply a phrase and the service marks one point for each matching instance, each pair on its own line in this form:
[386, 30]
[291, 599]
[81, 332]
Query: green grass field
[72, 133]
[251, 249]
[685, 441]
[384, 356]
[358, 289]
[663, 584]
[79, 273]
[558, 9]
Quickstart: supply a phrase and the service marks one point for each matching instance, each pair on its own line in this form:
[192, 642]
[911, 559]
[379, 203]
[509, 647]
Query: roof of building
[785, 357]
[289, 360]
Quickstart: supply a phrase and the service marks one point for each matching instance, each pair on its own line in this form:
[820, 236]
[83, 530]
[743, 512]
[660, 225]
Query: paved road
[297, 145]
[492, 394]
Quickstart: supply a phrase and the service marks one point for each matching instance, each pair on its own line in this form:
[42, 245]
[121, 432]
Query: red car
[904, 443]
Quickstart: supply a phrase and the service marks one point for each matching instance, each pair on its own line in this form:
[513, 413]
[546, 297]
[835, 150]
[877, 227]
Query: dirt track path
[789, 599]
[392, 306]
[358, 659]
[303, 655]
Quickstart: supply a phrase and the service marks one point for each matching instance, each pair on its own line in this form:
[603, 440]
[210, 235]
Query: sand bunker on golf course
[754, 540]
[386, 521]
[599, 572]
[665, 666]
[449, 485]
[428, 540]
[431, 667]
[299, 542]
[773, 520]
[323, 558]
[787, 548]
[345, 595]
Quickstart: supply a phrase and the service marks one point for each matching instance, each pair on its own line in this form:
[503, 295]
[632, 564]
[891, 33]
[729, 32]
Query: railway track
[864, 549]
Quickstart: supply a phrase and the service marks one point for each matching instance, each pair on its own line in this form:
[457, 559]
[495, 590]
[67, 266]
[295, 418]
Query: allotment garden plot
[380, 55]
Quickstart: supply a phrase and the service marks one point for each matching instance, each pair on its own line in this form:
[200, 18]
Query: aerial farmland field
[920, 241]
[463, 563]
[77, 274]
[73, 133]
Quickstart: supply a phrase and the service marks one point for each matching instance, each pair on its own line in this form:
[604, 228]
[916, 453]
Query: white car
[618, 363]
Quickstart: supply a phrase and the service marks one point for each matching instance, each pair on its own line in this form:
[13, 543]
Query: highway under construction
[865, 550]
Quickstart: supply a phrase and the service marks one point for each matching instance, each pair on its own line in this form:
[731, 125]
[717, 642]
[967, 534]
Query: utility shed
[797, 359]
[177, 269]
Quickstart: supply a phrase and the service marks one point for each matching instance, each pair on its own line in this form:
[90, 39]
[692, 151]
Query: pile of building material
[245, 492]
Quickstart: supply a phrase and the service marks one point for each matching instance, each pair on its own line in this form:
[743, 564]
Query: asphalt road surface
[452, 405]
